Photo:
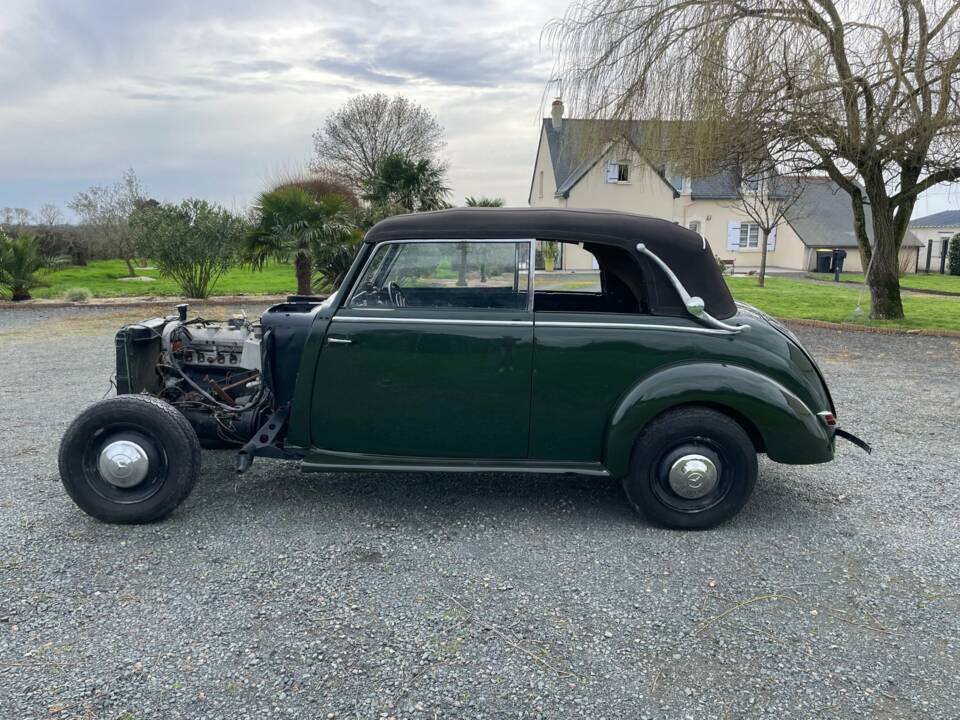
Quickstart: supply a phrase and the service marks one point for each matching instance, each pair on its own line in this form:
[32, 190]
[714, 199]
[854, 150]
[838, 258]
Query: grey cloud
[244, 67]
[470, 61]
[356, 70]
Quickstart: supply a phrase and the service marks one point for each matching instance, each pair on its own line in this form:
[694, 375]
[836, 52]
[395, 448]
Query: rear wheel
[129, 459]
[693, 468]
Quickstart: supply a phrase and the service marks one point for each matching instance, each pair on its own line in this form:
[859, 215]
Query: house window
[694, 225]
[618, 171]
[749, 235]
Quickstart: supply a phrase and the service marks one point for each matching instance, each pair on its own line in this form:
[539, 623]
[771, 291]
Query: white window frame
[746, 231]
[613, 178]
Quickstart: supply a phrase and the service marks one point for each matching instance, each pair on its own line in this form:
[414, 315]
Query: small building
[935, 232]
[574, 169]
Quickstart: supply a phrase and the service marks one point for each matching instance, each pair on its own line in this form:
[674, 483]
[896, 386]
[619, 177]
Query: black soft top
[685, 252]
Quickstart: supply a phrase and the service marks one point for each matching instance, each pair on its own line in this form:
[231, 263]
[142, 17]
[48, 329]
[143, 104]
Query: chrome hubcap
[693, 476]
[123, 463]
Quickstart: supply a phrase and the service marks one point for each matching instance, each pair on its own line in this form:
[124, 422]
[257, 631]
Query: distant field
[103, 279]
[940, 283]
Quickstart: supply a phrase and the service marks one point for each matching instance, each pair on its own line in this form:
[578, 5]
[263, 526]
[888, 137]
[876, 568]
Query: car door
[430, 354]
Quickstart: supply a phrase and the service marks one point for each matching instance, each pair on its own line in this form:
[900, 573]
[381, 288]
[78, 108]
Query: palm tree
[483, 201]
[413, 184]
[290, 222]
[20, 261]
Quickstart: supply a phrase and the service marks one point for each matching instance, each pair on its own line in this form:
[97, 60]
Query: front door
[431, 354]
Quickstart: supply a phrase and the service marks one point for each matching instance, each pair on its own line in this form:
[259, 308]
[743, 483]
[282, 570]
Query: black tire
[669, 441]
[164, 436]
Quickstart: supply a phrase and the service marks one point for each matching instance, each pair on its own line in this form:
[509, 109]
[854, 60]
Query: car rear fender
[791, 432]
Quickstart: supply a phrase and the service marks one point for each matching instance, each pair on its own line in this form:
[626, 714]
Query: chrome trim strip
[631, 326]
[429, 321]
[686, 297]
[531, 275]
[309, 466]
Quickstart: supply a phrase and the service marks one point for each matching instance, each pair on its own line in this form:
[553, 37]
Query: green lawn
[784, 298]
[102, 278]
[934, 281]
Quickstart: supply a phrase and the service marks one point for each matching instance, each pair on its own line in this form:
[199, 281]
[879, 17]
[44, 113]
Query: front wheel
[692, 468]
[129, 459]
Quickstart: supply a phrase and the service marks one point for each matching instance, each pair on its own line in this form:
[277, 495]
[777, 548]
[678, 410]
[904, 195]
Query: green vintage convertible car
[446, 351]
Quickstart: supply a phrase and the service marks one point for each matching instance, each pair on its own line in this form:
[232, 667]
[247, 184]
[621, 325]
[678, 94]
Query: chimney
[556, 114]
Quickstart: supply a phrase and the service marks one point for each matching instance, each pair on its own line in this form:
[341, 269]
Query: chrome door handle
[339, 341]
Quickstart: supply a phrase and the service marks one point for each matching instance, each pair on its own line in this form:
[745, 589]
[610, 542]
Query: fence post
[929, 252]
[943, 256]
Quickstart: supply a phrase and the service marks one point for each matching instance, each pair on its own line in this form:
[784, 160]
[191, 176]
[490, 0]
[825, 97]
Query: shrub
[953, 252]
[77, 294]
[20, 263]
[63, 241]
[193, 243]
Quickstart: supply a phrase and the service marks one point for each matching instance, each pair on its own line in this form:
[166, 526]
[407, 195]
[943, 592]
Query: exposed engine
[212, 371]
[228, 377]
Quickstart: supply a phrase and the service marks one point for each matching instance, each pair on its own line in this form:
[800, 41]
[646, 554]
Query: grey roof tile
[947, 218]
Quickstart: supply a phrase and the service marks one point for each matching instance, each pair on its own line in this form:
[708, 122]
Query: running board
[333, 461]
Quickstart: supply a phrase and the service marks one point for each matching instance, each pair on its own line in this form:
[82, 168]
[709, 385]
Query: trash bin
[824, 259]
[841, 255]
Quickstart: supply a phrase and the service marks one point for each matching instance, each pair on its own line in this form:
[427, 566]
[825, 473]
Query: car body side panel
[791, 432]
[591, 369]
[449, 384]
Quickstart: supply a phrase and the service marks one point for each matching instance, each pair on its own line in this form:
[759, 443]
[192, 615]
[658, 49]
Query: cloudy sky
[216, 98]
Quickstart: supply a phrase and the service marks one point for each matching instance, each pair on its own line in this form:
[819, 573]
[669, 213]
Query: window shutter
[733, 236]
[612, 171]
[772, 240]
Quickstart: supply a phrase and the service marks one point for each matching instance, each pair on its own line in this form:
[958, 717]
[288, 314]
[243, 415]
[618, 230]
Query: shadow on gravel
[274, 488]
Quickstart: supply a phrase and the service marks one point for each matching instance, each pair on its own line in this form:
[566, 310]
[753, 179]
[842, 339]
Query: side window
[447, 274]
[591, 278]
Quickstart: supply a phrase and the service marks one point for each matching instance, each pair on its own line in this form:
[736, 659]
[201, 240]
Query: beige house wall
[648, 194]
[714, 216]
[925, 235]
[908, 259]
[645, 193]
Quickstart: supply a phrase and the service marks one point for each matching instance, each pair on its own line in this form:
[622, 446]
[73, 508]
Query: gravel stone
[279, 594]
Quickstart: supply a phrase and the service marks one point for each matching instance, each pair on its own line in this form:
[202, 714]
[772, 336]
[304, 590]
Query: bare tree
[106, 209]
[766, 197]
[50, 215]
[22, 216]
[6, 216]
[355, 138]
[866, 92]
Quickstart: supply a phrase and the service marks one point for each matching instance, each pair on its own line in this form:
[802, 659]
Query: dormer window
[618, 172]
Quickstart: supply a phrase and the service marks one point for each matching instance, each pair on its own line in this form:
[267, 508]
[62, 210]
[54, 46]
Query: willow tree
[865, 91]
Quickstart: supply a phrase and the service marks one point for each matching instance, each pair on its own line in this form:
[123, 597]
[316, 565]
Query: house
[576, 167]
[935, 232]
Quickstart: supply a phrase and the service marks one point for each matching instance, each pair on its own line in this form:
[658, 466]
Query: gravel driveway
[836, 593]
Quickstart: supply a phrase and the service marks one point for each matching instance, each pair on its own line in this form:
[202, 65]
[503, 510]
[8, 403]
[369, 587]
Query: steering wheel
[396, 295]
